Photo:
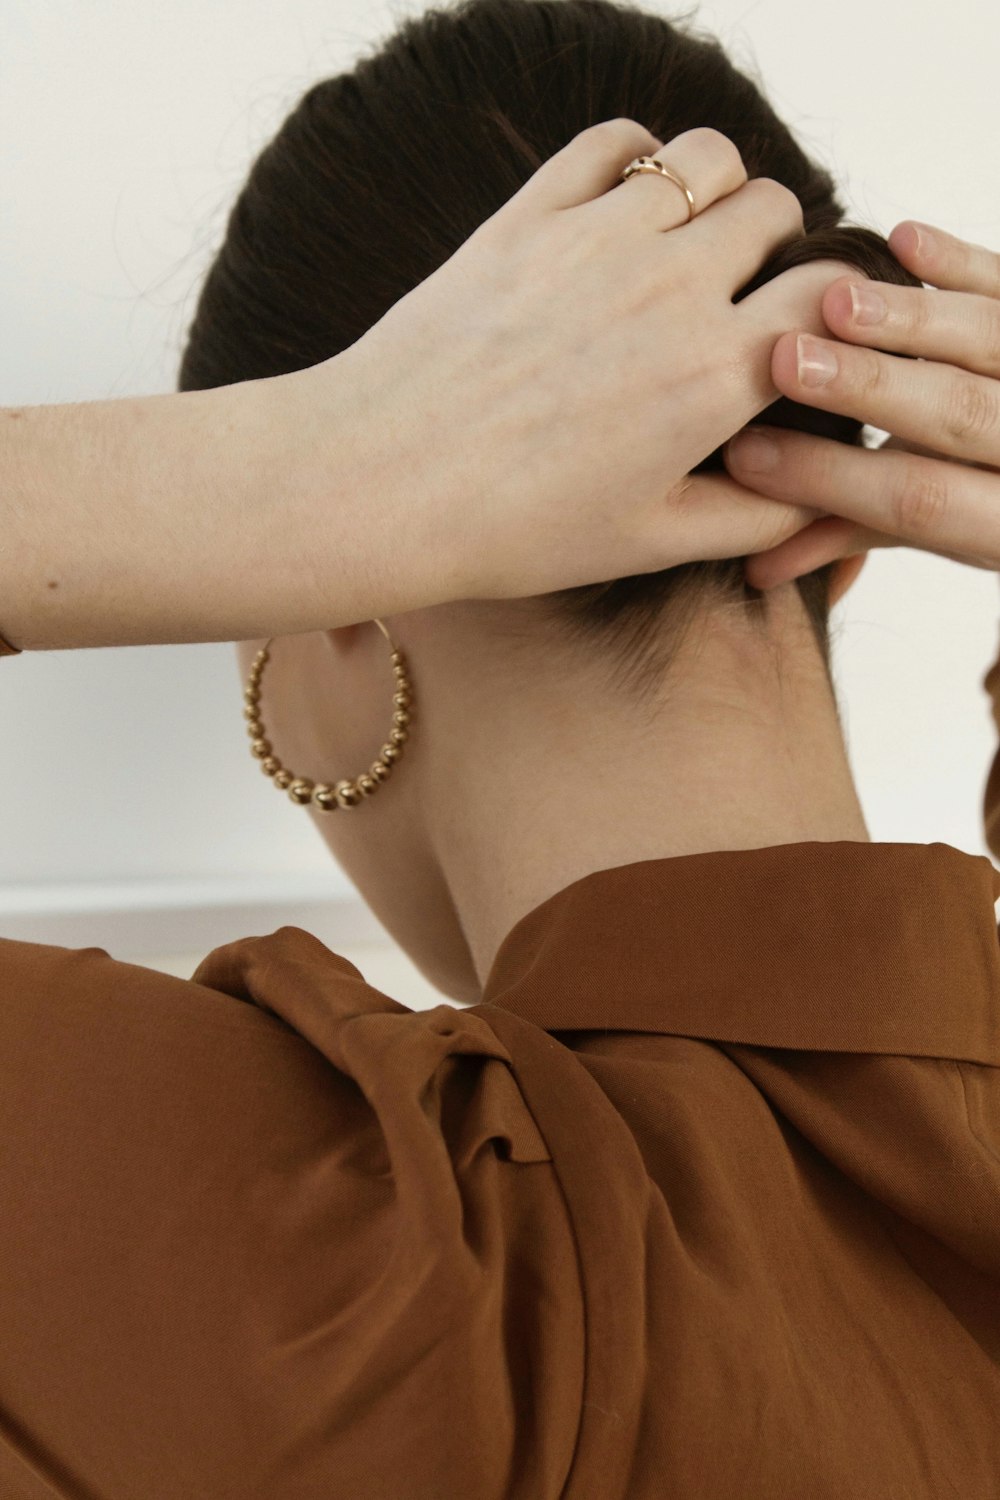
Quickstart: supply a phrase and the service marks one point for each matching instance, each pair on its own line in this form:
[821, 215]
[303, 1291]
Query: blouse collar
[841, 946]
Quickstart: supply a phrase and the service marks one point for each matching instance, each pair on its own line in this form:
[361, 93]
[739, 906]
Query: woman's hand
[525, 420]
[533, 409]
[934, 484]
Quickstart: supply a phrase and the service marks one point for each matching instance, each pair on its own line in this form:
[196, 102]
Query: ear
[844, 574]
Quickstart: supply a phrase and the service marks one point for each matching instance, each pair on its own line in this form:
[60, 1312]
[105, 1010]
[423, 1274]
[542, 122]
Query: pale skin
[528, 767]
[524, 420]
[518, 785]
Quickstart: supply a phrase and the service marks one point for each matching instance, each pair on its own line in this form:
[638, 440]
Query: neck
[547, 774]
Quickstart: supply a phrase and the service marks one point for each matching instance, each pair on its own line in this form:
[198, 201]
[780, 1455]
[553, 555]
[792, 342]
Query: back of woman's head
[379, 175]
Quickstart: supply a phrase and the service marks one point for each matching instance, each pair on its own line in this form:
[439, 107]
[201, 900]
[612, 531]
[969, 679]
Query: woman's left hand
[934, 484]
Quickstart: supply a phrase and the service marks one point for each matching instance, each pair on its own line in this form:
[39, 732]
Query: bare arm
[525, 420]
[185, 517]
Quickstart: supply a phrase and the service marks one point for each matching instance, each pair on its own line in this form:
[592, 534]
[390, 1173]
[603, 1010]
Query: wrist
[339, 487]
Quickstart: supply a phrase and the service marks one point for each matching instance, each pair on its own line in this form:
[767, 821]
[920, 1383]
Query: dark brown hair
[379, 174]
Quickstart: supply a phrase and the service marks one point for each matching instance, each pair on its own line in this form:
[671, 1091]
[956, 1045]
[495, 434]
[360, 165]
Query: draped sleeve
[269, 1233]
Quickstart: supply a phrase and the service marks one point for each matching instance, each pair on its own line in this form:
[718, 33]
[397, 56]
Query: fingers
[960, 411]
[792, 300]
[825, 541]
[953, 327]
[711, 516]
[922, 502]
[743, 230]
[588, 165]
[708, 162]
[944, 260]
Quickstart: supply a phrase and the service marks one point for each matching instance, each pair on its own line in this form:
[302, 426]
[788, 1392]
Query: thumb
[711, 515]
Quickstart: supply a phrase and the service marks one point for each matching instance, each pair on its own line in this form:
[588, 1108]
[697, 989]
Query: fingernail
[817, 362]
[867, 305]
[923, 236]
[753, 452]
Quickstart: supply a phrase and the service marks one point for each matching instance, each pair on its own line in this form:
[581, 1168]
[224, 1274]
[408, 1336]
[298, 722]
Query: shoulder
[283, 1205]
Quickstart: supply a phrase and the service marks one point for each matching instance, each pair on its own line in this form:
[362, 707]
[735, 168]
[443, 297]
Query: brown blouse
[702, 1200]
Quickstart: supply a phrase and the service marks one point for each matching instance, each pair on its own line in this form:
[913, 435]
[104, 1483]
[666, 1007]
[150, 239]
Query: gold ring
[650, 164]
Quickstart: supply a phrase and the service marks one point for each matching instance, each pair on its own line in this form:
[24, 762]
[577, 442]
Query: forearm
[194, 516]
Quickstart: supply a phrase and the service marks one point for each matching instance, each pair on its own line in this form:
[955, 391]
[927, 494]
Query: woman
[699, 1196]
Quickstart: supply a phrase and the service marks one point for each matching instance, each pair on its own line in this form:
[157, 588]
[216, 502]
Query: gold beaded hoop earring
[301, 789]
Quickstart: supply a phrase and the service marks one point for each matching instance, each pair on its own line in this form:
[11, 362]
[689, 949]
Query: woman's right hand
[940, 404]
[535, 406]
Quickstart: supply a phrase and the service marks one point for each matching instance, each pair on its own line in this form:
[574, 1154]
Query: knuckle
[681, 494]
[918, 503]
[972, 412]
[777, 198]
[617, 124]
[717, 142]
[620, 133]
[708, 135]
[867, 372]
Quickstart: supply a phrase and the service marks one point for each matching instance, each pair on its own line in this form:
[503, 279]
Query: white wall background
[131, 815]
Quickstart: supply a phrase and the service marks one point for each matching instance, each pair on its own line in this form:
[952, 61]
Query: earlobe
[342, 636]
[846, 572]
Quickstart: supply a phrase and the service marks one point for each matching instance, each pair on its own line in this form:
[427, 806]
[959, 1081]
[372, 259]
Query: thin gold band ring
[650, 164]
